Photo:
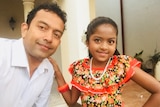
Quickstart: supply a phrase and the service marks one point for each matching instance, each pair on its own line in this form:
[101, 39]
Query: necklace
[90, 70]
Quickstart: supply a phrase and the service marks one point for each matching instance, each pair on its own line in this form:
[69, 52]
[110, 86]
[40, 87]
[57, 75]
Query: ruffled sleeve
[70, 69]
[131, 63]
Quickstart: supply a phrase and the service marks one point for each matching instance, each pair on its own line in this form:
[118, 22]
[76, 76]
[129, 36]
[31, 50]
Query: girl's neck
[105, 68]
[98, 64]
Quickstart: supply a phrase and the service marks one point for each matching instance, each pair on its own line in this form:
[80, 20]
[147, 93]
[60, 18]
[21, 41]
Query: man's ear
[24, 29]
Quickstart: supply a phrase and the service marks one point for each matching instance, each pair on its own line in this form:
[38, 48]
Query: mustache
[44, 43]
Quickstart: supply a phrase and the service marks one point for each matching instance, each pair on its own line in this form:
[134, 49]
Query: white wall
[141, 23]
[142, 26]
[71, 46]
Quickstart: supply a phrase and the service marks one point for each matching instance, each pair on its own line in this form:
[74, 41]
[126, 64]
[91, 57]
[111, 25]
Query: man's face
[43, 35]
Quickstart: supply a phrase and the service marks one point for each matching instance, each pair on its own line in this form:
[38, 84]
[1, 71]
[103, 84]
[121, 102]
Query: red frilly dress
[107, 91]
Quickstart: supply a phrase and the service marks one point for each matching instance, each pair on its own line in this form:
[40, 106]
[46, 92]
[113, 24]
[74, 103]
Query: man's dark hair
[53, 7]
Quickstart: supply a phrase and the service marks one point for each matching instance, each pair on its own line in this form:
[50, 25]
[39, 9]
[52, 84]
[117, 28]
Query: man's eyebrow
[49, 26]
[59, 31]
[43, 22]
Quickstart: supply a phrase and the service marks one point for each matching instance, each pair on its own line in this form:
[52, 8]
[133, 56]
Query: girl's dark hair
[97, 22]
[53, 7]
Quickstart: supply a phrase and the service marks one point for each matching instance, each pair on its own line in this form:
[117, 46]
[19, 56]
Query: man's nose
[48, 37]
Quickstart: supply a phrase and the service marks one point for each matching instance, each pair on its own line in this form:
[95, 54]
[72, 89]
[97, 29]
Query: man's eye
[57, 35]
[42, 28]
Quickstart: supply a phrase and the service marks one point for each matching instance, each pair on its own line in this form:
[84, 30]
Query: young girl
[99, 79]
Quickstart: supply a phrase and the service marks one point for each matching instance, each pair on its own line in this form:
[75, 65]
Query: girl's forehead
[105, 25]
[105, 28]
[105, 31]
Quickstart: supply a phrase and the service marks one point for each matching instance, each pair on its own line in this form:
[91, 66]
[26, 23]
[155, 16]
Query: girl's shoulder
[122, 58]
[80, 62]
[126, 60]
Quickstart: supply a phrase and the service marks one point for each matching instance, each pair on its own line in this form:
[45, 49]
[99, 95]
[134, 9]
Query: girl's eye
[97, 40]
[111, 42]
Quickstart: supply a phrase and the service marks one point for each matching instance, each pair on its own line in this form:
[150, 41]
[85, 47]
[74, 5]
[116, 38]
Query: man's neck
[33, 64]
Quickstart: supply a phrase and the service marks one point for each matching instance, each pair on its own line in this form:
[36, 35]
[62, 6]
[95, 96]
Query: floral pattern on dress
[107, 91]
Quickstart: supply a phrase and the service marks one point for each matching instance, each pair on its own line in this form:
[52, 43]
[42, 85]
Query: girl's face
[102, 43]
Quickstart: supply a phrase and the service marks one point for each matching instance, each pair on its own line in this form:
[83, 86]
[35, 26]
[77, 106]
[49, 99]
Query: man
[26, 75]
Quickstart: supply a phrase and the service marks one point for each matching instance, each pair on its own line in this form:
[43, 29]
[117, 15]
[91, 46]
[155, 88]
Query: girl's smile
[102, 42]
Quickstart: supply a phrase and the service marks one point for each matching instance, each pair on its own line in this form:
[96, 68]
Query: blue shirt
[17, 89]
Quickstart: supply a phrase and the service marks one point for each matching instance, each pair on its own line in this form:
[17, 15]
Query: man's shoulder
[6, 47]
[46, 64]
[6, 41]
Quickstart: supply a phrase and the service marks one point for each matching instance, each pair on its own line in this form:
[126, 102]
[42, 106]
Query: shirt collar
[19, 57]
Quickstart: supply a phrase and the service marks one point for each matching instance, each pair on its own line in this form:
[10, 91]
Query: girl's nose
[104, 45]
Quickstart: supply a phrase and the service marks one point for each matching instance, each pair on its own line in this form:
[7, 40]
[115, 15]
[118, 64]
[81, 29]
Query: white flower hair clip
[83, 37]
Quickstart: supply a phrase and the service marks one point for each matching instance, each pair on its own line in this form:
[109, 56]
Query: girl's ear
[24, 29]
[87, 43]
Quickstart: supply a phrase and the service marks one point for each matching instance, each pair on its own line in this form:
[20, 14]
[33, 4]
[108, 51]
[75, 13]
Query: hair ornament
[83, 37]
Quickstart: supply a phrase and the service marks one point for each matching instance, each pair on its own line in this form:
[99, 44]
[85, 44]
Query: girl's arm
[71, 95]
[149, 83]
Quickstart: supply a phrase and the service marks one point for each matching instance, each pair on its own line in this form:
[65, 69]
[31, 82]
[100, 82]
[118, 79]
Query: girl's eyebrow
[97, 36]
[113, 38]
